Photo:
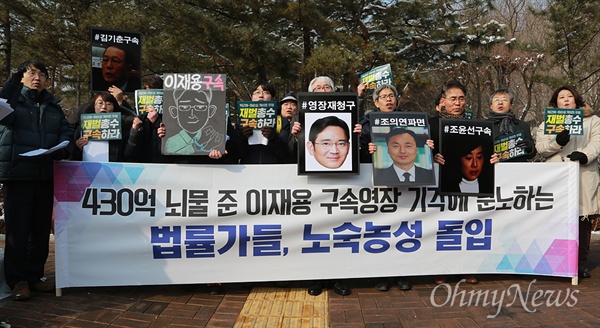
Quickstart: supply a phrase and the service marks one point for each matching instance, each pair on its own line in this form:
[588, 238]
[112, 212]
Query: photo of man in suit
[402, 145]
[120, 68]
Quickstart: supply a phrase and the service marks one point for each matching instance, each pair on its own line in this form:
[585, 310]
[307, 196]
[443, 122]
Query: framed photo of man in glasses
[116, 59]
[326, 142]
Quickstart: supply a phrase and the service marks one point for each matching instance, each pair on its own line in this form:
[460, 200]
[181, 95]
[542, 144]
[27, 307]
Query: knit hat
[289, 97]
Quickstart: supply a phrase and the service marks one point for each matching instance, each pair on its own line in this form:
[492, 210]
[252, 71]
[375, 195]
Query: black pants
[28, 217]
[585, 236]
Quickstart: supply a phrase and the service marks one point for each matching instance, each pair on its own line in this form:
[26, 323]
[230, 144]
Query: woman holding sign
[104, 102]
[584, 148]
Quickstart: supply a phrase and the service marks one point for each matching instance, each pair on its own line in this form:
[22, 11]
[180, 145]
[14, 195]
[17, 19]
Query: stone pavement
[547, 302]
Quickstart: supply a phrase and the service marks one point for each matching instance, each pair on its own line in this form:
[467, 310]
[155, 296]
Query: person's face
[102, 106]
[565, 99]
[472, 164]
[289, 109]
[261, 94]
[386, 100]
[454, 102]
[501, 103]
[193, 111]
[35, 79]
[321, 86]
[115, 70]
[330, 148]
[402, 149]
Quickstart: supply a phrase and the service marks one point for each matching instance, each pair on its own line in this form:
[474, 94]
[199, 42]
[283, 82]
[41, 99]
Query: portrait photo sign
[116, 59]
[402, 156]
[326, 144]
[467, 147]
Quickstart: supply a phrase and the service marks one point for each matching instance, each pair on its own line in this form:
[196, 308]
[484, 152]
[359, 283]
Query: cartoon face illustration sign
[195, 116]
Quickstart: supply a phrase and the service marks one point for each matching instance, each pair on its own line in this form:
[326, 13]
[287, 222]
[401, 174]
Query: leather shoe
[584, 273]
[383, 285]
[440, 280]
[471, 280]
[315, 289]
[404, 284]
[43, 286]
[341, 289]
[21, 292]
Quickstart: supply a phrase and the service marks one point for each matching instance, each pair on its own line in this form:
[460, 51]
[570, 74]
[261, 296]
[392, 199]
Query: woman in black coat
[104, 102]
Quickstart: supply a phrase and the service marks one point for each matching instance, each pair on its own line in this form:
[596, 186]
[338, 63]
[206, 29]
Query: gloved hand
[269, 133]
[16, 76]
[563, 137]
[578, 156]
[527, 145]
[246, 131]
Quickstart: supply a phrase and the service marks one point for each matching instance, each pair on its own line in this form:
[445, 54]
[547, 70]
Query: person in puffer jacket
[36, 122]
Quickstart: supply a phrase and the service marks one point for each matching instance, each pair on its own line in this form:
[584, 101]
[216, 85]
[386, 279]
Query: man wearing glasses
[37, 121]
[321, 84]
[385, 99]
[505, 122]
[118, 68]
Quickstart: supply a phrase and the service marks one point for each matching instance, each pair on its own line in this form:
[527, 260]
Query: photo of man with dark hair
[329, 141]
[402, 147]
[116, 61]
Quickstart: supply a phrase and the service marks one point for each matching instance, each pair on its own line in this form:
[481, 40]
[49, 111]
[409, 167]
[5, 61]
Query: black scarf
[508, 122]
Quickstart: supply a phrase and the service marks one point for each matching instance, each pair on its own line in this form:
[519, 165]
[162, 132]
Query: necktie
[406, 177]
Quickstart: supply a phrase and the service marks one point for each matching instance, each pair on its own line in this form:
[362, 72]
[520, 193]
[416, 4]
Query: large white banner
[143, 224]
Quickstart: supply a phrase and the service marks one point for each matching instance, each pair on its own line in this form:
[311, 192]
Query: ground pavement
[547, 302]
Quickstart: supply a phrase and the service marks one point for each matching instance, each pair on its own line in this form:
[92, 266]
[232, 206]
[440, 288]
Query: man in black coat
[36, 122]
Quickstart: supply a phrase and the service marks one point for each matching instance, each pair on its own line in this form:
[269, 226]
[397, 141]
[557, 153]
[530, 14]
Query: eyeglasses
[196, 108]
[503, 99]
[329, 144]
[258, 92]
[99, 104]
[38, 74]
[388, 96]
[325, 87]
